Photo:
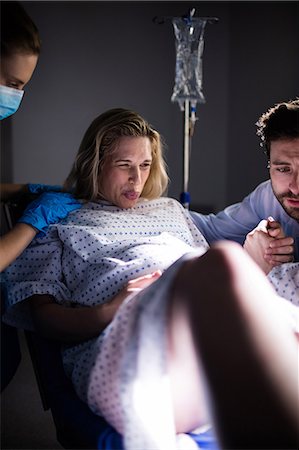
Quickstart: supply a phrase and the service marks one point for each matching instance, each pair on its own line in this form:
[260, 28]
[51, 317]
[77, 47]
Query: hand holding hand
[268, 245]
[281, 248]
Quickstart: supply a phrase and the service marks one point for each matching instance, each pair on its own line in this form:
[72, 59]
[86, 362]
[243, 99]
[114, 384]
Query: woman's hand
[109, 309]
[140, 283]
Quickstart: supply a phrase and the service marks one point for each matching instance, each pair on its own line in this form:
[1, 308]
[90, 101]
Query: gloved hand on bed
[49, 208]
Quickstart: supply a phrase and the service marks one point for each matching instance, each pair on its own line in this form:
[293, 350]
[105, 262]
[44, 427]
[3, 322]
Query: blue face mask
[10, 100]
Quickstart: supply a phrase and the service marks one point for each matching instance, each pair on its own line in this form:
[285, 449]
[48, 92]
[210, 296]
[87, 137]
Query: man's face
[284, 173]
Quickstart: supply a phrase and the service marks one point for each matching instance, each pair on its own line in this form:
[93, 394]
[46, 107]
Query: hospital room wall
[98, 55]
[264, 70]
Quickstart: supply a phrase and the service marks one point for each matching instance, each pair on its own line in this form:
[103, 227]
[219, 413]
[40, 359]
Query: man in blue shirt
[278, 197]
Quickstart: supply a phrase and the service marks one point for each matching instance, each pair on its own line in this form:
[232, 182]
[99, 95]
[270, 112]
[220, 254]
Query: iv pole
[185, 196]
[187, 92]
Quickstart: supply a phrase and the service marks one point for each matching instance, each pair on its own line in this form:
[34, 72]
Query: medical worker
[20, 48]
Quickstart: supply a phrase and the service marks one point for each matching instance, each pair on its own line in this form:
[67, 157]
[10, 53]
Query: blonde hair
[99, 142]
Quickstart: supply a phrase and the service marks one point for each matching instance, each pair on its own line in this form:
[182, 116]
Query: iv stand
[185, 196]
[189, 31]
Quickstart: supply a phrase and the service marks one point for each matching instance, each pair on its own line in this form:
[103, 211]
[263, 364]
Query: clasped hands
[268, 245]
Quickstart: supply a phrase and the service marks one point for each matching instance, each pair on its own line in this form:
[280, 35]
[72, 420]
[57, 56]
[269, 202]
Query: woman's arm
[72, 325]
[14, 242]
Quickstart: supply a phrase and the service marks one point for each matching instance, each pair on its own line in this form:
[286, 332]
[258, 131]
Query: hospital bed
[77, 427]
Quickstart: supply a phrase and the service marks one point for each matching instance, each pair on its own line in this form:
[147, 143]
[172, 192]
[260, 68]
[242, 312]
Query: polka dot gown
[87, 259]
[285, 279]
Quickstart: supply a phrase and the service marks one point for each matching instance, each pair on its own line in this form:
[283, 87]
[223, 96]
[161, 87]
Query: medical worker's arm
[71, 325]
[47, 209]
[12, 190]
[14, 242]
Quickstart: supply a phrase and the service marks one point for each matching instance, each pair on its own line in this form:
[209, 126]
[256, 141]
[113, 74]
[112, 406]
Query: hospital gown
[285, 280]
[86, 260]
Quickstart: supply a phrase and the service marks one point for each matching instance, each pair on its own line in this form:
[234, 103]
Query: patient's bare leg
[247, 351]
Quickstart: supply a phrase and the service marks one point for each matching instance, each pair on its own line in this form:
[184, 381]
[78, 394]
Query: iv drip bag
[189, 49]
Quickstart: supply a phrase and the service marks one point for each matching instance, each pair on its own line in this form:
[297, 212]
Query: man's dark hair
[279, 122]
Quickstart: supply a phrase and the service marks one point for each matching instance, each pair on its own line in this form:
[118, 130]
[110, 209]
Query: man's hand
[268, 245]
[281, 249]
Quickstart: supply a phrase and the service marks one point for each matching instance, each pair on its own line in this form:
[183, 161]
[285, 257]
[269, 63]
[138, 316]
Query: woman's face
[125, 172]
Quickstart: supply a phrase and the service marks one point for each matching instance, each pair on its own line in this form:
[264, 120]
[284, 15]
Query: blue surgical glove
[49, 208]
[40, 188]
